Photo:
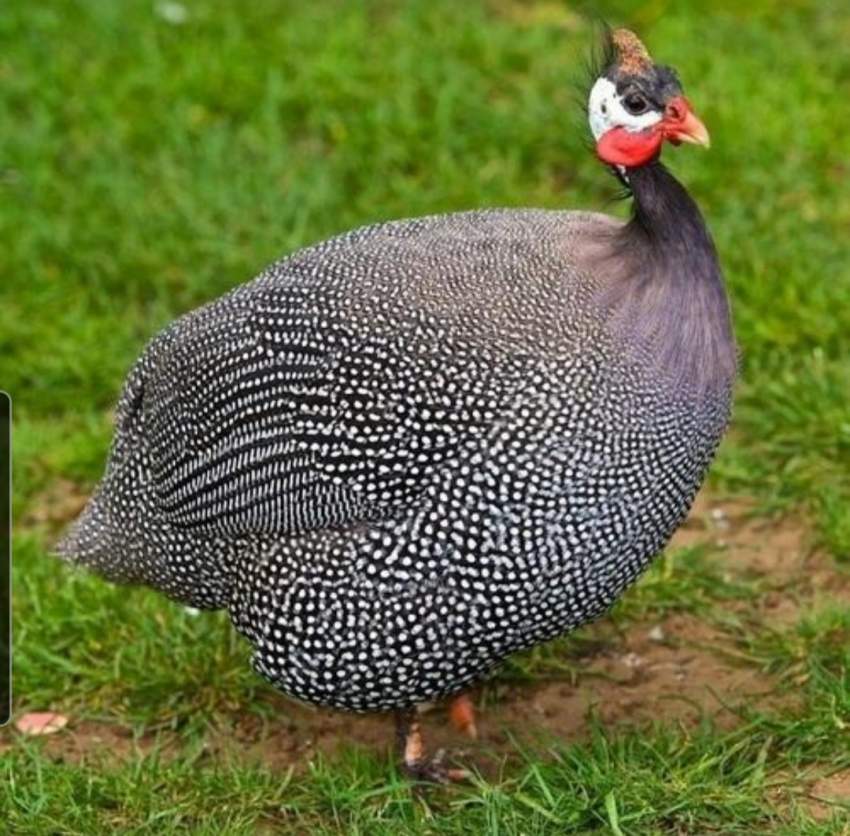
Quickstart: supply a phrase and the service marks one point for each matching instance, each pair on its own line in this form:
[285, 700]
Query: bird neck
[670, 291]
[666, 216]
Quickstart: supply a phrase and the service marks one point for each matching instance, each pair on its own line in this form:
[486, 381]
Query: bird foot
[414, 762]
[434, 770]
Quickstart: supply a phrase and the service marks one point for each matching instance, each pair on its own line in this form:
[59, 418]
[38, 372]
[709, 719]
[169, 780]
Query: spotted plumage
[402, 454]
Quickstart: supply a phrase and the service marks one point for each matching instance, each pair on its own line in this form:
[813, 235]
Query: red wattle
[621, 147]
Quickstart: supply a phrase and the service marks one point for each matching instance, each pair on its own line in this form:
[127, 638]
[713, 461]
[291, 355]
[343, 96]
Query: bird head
[636, 104]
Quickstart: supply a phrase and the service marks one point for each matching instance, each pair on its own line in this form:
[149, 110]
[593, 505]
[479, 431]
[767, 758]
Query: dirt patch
[780, 549]
[828, 795]
[94, 742]
[679, 669]
[92, 737]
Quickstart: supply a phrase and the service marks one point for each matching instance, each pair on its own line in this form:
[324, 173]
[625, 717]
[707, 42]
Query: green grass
[661, 782]
[147, 166]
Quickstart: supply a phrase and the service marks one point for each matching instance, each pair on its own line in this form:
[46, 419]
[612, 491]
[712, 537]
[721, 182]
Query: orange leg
[412, 750]
[462, 715]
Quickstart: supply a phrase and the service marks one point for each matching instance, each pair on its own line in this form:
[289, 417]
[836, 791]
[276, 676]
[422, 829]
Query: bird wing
[333, 387]
[266, 416]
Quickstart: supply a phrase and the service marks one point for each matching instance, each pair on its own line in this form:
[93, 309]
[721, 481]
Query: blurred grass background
[155, 154]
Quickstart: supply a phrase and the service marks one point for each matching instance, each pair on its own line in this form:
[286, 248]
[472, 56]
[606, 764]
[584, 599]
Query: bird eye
[635, 104]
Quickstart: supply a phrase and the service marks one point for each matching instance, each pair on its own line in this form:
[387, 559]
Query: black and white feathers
[404, 453]
[399, 455]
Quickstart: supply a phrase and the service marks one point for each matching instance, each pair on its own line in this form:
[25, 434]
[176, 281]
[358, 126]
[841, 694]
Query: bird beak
[680, 124]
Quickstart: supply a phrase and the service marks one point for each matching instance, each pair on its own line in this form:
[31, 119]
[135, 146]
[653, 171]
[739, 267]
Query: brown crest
[632, 57]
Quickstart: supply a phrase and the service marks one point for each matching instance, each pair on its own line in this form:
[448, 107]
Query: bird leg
[462, 715]
[412, 751]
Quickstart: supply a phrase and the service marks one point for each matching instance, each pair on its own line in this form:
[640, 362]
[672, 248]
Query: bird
[399, 455]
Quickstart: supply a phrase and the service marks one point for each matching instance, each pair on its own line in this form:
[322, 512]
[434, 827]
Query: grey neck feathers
[661, 287]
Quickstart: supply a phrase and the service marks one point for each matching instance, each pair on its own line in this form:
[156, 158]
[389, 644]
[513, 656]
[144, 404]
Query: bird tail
[92, 541]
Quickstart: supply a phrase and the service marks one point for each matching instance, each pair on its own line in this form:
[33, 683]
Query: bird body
[402, 454]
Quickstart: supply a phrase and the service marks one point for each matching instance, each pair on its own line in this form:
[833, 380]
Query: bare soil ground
[825, 792]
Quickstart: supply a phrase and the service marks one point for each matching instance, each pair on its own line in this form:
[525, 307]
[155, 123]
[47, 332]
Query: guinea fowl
[399, 455]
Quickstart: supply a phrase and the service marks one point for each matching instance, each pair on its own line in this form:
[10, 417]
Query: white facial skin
[605, 111]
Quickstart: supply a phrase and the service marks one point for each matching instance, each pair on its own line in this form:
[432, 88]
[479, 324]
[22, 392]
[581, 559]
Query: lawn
[155, 154]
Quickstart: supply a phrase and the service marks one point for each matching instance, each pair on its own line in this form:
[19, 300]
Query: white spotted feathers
[400, 455]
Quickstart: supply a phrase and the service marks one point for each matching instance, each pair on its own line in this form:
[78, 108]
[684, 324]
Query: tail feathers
[93, 541]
